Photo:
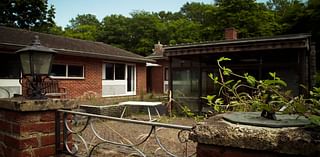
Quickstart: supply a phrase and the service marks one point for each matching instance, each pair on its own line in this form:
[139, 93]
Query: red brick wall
[141, 78]
[92, 80]
[26, 134]
[157, 75]
[93, 76]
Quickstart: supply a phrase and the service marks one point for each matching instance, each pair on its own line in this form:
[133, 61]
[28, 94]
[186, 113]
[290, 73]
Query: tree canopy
[27, 14]
[195, 22]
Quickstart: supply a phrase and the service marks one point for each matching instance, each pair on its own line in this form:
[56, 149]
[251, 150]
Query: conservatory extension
[292, 57]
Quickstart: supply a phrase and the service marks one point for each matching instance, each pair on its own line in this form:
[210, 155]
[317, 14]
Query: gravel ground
[128, 133]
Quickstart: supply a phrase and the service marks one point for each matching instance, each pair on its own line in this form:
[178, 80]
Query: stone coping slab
[20, 104]
[287, 140]
[255, 119]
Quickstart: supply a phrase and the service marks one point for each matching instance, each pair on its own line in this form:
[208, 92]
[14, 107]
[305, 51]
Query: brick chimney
[158, 48]
[230, 34]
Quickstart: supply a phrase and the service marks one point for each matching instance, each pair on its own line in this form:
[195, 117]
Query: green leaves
[275, 81]
[210, 98]
[314, 119]
[250, 79]
[24, 14]
[186, 110]
[226, 71]
[223, 59]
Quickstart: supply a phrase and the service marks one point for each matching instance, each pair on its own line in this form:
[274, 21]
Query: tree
[86, 27]
[27, 14]
[305, 18]
[250, 18]
[183, 31]
[143, 28]
[198, 12]
[84, 19]
[115, 31]
[205, 15]
[168, 16]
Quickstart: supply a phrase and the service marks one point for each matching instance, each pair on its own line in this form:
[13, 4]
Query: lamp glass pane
[41, 63]
[25, 63]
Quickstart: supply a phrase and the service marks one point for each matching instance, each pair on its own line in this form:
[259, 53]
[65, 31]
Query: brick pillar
[28, 127]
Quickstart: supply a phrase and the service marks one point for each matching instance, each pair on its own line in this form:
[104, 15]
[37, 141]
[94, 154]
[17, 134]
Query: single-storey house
[292, 57]
[79, 65]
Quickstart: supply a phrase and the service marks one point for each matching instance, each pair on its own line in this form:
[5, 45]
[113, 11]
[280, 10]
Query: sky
[68, 9]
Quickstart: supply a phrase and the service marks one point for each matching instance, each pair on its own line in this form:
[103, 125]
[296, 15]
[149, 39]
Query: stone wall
[219, 138]
[108, 110]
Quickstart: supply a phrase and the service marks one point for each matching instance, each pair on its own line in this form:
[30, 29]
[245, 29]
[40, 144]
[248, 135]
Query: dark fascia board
[102, 56]
[156, 57]
[240, 41]
[85, 54]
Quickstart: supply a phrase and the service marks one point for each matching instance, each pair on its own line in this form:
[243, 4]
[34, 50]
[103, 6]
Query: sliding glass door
[130, 79]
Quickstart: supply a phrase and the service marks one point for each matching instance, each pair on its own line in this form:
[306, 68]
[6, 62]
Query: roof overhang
[243, 45]
[11, 48]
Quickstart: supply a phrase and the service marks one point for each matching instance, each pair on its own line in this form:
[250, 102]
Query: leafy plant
[268, 96]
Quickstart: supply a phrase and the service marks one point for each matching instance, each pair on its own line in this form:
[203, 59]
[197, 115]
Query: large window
[67, 71]
[115, 71]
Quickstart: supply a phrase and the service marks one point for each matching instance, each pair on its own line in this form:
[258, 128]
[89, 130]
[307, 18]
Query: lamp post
[36, 61]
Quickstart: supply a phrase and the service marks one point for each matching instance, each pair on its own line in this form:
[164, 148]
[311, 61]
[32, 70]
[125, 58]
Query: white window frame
[165, 82]
[67, 71]
[114, 71]
[134, 81]
[119, 82]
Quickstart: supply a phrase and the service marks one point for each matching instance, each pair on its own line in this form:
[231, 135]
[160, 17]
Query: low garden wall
[219, 138]
[116, 110]
[107, 110]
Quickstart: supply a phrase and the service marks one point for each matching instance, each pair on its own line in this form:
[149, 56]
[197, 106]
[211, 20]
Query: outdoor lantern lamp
[36, 61]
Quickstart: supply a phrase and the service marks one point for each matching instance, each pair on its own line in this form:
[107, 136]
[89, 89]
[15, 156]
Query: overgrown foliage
[245, 93]
[27, 14]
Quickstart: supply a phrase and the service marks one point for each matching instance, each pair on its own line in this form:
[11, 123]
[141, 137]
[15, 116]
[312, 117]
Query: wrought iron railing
[74, 137]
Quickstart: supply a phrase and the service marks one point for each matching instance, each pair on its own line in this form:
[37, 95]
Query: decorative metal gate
[72, 136]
